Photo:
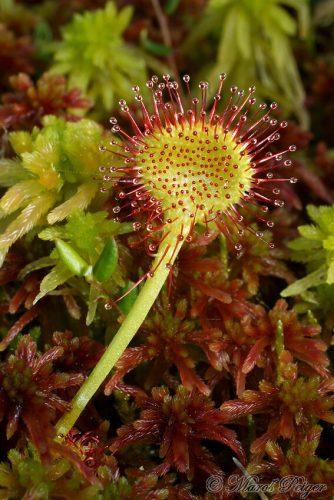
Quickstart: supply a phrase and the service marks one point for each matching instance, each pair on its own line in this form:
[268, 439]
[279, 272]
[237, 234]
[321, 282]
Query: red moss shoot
[187, 166]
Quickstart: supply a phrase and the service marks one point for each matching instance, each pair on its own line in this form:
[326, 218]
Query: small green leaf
[302, 244]
[21, 142]
[107, 262]
[11, 172]
[70, 257]
[279, 342]
[123, 18]
[57, 276]
[156, 48]
[92, 305]
[283, 19]
[328, 243]
[127, 302]
[43, 32]
[52, 233]
[330, 274]
[310, 232]
[171, 6]
[35, 265]
[314, 279]
[43, 38]
[243, 34]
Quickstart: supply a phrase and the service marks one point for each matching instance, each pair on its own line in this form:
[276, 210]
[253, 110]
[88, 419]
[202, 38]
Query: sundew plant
[187, 169]
[166, 249]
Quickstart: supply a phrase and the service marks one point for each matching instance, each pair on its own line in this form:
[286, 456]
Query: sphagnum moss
[186, 167]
